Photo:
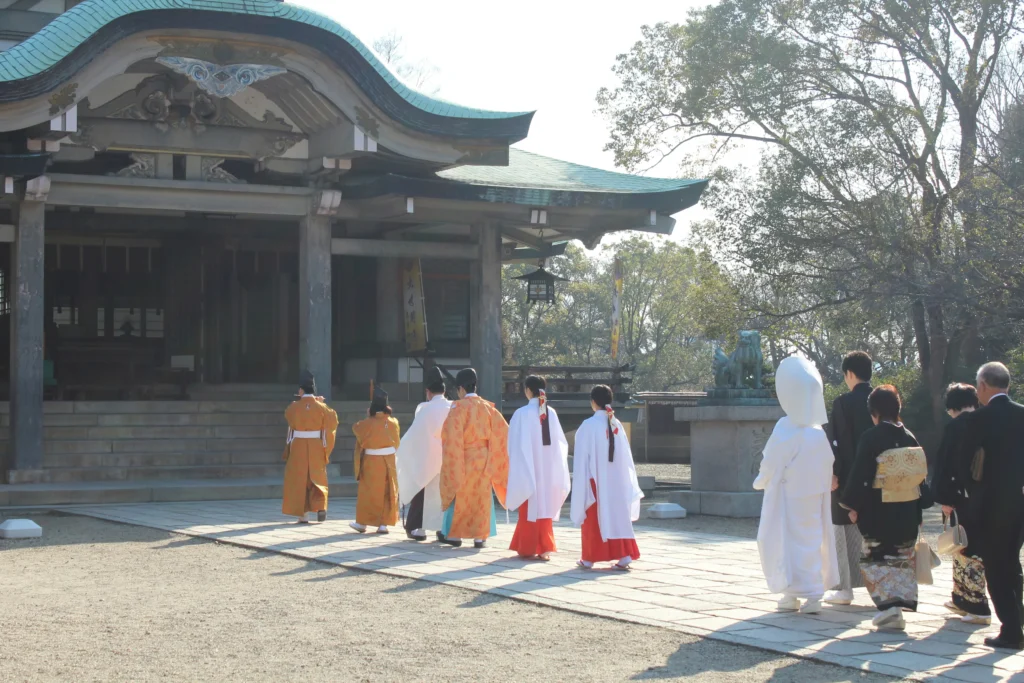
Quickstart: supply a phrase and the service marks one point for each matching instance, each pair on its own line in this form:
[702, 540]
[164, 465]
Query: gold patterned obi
[901, 471]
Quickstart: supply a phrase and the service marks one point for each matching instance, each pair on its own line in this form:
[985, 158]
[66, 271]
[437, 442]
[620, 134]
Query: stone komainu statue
[746, 361]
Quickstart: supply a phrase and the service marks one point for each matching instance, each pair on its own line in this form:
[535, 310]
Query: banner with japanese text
[413, 306]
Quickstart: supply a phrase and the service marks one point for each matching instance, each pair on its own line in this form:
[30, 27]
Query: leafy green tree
[674, 302]
[868, 116]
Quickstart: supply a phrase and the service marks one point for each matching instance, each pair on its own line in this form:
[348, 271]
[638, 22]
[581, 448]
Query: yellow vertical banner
[616, 307]
[414, 307]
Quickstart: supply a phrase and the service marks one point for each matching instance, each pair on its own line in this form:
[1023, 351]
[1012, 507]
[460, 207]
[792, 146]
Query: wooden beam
[509, 254]
[384, 208]
[524, 238]
[112, 192]
[347, 246]
[343, 141]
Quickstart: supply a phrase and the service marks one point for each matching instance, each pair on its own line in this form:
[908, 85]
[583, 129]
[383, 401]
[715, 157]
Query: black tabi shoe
[479, 544]
[1003, 644]
[442, 539]
[411, 537]
[321, 516]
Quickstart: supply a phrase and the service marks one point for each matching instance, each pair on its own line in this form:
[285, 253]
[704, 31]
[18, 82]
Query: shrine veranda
[199, 198]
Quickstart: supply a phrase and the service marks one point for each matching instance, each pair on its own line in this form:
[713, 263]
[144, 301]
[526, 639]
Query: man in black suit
[998, 430]
[849, 420]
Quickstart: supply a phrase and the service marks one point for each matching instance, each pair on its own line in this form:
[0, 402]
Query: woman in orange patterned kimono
[377, 439]
[312, 426]
[474, 461]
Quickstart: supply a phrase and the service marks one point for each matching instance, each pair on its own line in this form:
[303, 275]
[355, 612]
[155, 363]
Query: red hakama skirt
[597, 550]
[532, 538]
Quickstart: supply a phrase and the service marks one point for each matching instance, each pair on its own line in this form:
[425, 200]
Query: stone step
[58, 447]
[177, 459]
[154, 491]
[171, 407]
[164, 473]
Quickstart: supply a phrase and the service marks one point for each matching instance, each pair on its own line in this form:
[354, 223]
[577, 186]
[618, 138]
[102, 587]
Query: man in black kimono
[849, 420]
[998, 430]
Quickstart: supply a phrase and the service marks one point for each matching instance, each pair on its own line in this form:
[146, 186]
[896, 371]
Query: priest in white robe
[419, 461]
[605, 491]
[795, 538]
[538, 472]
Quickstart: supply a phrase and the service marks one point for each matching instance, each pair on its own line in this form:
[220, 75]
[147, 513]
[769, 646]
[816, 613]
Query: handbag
[925, 560]
[953, 539]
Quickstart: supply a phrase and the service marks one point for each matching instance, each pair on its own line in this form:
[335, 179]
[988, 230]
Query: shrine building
[199, 198]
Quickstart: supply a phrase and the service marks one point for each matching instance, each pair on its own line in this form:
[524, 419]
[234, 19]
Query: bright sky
[550, 56]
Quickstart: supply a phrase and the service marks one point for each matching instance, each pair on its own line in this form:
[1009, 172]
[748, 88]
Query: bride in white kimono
[795, 537]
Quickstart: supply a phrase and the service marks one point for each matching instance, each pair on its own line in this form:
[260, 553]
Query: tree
[675, 302]
[869, 115]
[419, 74]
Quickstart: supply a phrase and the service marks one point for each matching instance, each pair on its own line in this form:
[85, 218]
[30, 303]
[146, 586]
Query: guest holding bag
[954, 489]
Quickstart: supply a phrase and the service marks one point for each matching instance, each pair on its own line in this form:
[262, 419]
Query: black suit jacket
[952, 483]
[998, 428]
[850, 419]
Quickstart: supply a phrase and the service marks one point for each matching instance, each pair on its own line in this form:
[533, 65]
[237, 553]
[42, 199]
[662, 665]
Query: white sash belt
[294, 434]
[379, 451]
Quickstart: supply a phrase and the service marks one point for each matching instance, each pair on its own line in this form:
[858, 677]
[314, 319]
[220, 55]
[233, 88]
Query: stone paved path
[700, 584]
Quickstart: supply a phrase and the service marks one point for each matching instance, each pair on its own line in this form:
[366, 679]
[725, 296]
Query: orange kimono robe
[377, 500]
[474, 460]
[305, 471]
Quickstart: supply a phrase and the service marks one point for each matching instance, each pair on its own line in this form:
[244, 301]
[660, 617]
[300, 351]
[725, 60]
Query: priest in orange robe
[312, 426]
[474, 462]
[377, 439]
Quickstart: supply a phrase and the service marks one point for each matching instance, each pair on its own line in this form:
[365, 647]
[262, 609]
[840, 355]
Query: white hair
[994, 374]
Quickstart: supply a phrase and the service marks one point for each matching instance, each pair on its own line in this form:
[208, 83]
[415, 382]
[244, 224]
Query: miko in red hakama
[605, 493]
[595, 549]
[533, 538]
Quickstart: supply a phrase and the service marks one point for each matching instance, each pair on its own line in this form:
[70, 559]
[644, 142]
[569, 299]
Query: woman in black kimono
[955, 489]
[884, 495]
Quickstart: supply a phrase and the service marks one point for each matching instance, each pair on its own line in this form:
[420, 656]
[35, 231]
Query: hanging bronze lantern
[540, 285]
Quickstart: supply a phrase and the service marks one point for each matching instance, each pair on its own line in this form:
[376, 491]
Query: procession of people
[880, 490]
[844, 494]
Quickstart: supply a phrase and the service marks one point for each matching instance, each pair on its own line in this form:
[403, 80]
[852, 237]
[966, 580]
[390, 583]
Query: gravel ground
[95, 601]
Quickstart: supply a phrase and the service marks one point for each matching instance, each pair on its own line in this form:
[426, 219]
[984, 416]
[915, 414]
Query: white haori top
[618, 492]
[797, 464]
[537, 474]
[419, 453]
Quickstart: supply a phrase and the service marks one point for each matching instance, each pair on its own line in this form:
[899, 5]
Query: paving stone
[700, 583]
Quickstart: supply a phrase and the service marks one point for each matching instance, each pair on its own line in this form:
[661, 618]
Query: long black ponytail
[601, 395]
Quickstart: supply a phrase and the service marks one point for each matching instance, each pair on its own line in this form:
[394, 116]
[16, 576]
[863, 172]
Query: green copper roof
[529, 170]
[73, 28]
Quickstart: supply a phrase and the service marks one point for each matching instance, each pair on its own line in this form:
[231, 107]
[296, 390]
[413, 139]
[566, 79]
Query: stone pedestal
[725, 446]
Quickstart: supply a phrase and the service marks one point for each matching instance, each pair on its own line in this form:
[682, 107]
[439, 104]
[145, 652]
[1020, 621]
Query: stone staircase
[220, 447]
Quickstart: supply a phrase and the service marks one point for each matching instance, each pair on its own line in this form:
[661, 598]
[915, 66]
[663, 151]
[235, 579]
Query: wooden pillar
[26, 442]
[315, 291]
[485, 313]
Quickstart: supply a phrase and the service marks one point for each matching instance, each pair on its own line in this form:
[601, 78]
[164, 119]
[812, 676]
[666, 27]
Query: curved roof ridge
[529, 169]
[58, 39]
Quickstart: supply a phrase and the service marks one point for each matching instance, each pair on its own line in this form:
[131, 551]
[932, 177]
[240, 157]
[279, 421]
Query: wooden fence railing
[567, 382]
